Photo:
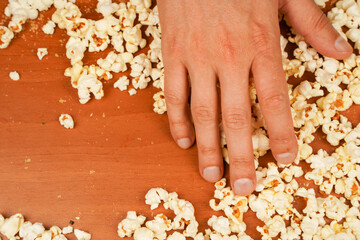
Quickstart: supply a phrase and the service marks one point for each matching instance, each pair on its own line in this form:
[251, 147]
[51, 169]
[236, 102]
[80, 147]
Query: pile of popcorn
[117, 29]
[15, 227]
[336, 88]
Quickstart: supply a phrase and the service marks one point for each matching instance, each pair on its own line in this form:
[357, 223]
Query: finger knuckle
[174, 98]
[282, 141]
[239, 162]
[319, 23]
[274, 102]
[203, 114]
[207, 151]
[226, 46]
[178, 124]
[236, 119]
[262, 39]
[172, 45]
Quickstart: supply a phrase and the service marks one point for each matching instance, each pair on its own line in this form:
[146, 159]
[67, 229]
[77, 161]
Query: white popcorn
[31, 231]
[6, 35]
[309, 226]
[309, 90]
[14, 76]
[321, 3]
[55, 230]
[81, 235]
[79, 28]
[49, 27]
[132, 91]
[122, 83]
[176, 236]
[159, 104]
[336, 130]
[127, 227]
[354, 90]
[88, 83]
[66, 120]
[143, 234]
[98, 41]
[67, 230]
[75, 49]
[106, 7]
[117, 42]
[133, 38]
[159, 226]
[127, 15]
[59, 237]
[11, 226]
[41, 53]
[220, 225]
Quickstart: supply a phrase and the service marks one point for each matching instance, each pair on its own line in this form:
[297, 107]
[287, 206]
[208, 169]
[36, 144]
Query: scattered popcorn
[6, 35]
[81, 235]
[335, 87]
[143, 234]
[122, 83]
[66, 120]
[132, 92]
[11, 226]
[14, 76]
[130, 224]
[49, 27]
[67, 230]
[41, 53]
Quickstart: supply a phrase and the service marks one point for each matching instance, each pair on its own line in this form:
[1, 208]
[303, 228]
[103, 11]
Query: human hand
[225, 40]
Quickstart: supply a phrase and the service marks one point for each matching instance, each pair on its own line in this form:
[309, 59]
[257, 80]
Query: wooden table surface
[120, 138]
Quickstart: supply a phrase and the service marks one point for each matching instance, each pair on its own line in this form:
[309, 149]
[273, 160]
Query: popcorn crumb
[14, 76]
[132, 92]
[41, 53]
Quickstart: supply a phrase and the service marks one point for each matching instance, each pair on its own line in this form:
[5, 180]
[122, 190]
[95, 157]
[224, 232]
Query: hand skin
[224, 41]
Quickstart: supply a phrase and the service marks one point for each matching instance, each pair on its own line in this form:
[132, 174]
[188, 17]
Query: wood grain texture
[127, 145]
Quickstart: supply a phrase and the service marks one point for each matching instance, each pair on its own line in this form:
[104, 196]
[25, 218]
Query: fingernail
[285, 157]
[212, 174]
[342, 45]
[184, 143]
[243, 186]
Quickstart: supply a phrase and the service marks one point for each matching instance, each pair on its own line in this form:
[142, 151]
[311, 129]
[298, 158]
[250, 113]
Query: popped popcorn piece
[354, 90]
[220, 224]
[49, 27]
[6, 35]
[31, 231]
[67, 121]
[75, 49]
[336, 130]
[132, 91]
[15, 76]
[11, 226]
[159, 226]
[143, 234]
[130, 224]
[159, 104]
[67, 230]
[81, 235]
[176, 236]
[122, 83]
[41, 53]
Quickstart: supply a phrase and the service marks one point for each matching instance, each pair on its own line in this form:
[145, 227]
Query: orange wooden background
[127, 145]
